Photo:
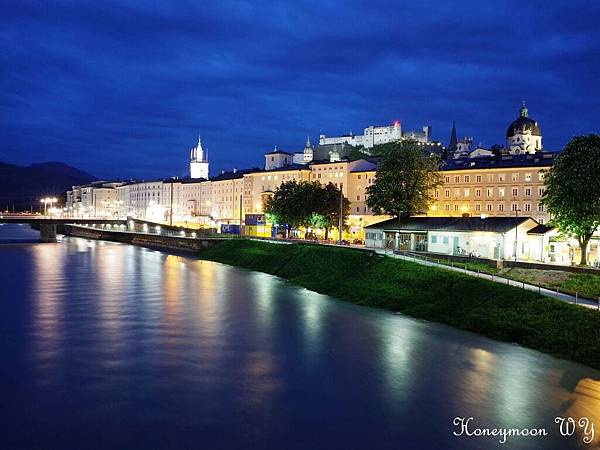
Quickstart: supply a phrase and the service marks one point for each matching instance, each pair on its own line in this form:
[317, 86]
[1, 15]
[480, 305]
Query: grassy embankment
[498, 311]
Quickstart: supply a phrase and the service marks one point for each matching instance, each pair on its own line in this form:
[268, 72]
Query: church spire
[453, 139]
[307, 145]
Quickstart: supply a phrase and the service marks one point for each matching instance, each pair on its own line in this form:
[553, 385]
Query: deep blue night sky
[121, 89]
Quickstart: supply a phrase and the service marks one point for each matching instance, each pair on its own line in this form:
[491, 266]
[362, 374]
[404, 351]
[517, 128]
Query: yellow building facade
[509, 186]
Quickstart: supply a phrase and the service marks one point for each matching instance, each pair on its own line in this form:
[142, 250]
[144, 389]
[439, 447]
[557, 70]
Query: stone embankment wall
[192, 245]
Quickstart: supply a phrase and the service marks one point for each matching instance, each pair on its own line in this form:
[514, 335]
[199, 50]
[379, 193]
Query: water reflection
[48, 308]
[114, 338]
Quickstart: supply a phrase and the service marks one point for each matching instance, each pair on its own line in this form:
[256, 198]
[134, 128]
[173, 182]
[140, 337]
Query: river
[106, 345]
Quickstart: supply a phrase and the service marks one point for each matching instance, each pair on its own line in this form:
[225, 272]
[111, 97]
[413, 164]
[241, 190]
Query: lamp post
[45, 202]
[517, 211]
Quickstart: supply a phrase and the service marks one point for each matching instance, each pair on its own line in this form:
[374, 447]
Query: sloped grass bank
[491, 309]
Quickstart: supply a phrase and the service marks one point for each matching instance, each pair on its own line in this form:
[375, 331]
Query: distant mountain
[24, 186]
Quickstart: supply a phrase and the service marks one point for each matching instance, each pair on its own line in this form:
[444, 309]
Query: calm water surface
[113, 346]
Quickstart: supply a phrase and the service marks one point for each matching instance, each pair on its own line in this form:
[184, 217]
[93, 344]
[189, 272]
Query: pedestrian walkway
[502, 280]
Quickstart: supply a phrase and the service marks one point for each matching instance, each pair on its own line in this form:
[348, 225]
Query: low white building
[491, 237]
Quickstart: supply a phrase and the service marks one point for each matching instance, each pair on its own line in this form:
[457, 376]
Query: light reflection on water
[114, 346]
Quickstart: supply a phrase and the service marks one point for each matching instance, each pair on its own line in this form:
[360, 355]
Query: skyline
[124, 92]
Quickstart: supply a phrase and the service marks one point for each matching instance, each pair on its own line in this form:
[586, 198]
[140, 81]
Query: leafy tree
[281, 207]
[358, 152]
[306, 204]
[572, 192]
[404, 181]
[331, 208]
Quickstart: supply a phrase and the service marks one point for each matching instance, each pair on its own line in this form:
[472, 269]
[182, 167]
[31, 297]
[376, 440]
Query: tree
[281, 208]
[331, 208]
[572, 193]
[404, 181]
[307, 204]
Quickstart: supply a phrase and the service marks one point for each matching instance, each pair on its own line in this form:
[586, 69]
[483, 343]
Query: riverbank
[501, 312]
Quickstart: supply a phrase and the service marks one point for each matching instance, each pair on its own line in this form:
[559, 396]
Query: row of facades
[476, 183]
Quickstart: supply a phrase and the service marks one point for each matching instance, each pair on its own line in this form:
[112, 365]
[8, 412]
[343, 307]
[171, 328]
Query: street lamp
[45, 202]
[517, 211]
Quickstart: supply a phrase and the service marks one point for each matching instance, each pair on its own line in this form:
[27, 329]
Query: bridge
[48, 225]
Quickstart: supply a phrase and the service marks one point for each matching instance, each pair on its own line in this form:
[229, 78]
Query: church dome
[523, 125]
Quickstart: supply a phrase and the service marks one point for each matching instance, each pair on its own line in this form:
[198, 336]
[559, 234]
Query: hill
[23, 186]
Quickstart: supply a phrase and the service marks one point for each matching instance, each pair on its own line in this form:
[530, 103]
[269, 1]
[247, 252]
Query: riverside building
[501, 181]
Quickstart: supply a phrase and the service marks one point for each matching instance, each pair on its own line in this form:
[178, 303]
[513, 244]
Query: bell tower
[198, 161]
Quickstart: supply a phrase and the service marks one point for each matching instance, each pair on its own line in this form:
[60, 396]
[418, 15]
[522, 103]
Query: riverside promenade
[576, 300]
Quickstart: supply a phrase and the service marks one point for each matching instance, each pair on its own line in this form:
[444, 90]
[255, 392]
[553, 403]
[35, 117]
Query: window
[489, 207]
[467, 179]
[478, 178]
[455, 207]
[446, 207]
[490, 178]
[528, 191]
[501, 178]
[447, 179]
[541, 220]
[501, 191]
[515, 192]
[477, 192]
[467, 192]
[457, 179]
[541, 191]
[515, 177]
[490, 192]
[501, 207]
[357, 198]
[359, 177]
[514, 207]
[445, 239]
[434, 238]
[477, 207]
[540, 207]
[447, 193]
[527, 207]
[456, 193]
[527, 177]
[436, 193]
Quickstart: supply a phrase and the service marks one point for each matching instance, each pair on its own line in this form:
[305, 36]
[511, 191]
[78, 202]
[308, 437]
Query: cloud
[121, 89]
